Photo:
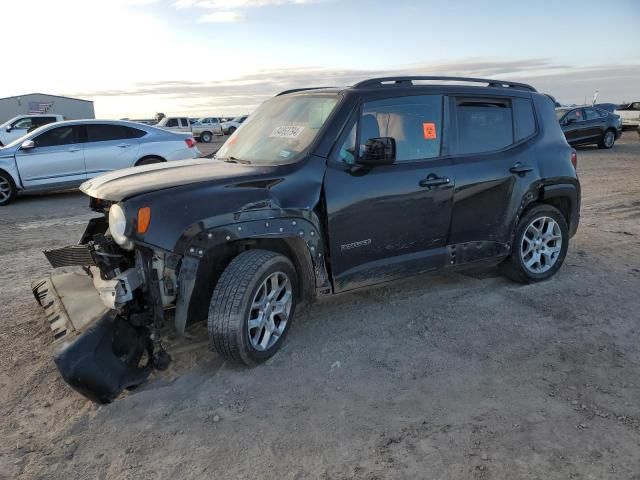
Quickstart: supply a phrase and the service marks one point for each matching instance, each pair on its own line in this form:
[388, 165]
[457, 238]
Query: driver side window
[414, 122]
[23, 123]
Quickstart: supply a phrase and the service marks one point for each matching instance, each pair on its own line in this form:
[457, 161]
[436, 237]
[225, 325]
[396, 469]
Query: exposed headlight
[118, 226]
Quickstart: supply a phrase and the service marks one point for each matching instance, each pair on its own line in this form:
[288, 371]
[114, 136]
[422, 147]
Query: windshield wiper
[234, 160]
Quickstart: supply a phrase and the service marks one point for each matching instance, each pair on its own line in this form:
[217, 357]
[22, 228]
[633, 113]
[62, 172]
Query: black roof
[408, 81]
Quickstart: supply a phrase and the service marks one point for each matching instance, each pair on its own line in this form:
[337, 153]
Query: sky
[224, 57]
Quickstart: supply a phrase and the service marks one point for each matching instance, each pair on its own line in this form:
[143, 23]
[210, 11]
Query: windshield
[280, 130]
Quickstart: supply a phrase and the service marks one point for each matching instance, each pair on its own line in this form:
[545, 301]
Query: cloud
[220, 17]
[244, 93]
[230, 10]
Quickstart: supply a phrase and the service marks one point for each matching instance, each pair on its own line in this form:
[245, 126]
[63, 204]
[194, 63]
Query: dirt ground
[456, 376]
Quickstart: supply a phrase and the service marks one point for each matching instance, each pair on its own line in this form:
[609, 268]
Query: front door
[574, 126]
[57, 159]
[390, 221]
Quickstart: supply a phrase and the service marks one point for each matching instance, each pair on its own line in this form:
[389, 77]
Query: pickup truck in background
[202, 132]
[629, 114]
[22, 124]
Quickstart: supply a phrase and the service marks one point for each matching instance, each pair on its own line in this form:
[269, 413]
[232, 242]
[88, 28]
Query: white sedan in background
[65, 154]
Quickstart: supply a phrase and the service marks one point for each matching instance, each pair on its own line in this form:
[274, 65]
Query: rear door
[595, 123]
[56, 160]
[110, 147]
[390, 221]
[494, 169]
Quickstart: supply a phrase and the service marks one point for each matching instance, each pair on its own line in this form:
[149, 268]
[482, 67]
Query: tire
[231, 130]
[8, 189]
[206, 137]
[148, 161]
[246, 282]
[608, 139]
[521, 265]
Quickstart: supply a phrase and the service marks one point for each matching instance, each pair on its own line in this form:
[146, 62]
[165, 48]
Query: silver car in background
[65, 154]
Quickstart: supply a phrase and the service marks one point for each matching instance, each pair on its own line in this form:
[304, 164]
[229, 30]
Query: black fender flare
[569, 192]
[302, 237]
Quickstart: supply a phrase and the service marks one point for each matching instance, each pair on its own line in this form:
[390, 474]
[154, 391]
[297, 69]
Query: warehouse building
[35, 103]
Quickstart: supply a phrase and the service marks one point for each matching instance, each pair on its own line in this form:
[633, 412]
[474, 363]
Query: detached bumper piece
[106, 358]
[74, 255]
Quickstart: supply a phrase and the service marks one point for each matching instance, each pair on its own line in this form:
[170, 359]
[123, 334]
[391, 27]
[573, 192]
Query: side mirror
[8, 128]
[27, 145]
[379, 151]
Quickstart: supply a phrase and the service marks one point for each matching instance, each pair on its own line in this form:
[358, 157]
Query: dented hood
[129, 182]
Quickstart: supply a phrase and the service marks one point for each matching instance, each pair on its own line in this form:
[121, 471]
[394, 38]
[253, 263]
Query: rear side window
[524, 120]
[105, 133]
[483, 125]
[172, 122]
[185, 122]
[592, 113]
[415, 123]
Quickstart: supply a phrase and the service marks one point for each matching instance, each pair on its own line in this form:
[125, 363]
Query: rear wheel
[252, 306]
[539, 246]
[206, 137]
[148, 161]
[7, 189]
[607, 140]
[231, 130]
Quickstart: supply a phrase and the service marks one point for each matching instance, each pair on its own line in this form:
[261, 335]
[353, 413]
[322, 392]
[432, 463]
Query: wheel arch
[203, 264]
[144, 157]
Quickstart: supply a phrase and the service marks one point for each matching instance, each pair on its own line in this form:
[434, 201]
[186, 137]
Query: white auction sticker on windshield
[286, 131]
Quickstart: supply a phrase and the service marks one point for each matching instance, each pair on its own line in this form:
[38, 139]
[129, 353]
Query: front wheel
[539, 246]
[7, 189]
[252, 306]
[607, 140]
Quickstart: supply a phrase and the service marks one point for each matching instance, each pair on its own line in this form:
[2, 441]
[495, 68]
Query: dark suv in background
[589, 125]
[320, 191]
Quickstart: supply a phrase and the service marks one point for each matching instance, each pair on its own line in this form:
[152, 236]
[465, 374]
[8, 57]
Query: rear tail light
[191, 142]
[574, 159]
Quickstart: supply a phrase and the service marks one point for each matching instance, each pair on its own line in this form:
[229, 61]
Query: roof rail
[294, 90]
[408, 81]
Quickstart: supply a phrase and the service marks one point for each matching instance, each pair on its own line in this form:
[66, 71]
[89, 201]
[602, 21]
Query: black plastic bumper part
[105, 359]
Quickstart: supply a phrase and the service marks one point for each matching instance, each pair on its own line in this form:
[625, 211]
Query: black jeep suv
[321, 190]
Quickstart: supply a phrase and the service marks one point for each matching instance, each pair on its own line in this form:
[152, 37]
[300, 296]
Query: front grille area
[74, 255]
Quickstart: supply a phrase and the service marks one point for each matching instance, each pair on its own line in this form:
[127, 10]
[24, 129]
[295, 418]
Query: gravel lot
[440, 377]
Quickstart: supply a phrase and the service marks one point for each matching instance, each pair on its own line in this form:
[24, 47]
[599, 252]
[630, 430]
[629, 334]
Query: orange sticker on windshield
[429, 129]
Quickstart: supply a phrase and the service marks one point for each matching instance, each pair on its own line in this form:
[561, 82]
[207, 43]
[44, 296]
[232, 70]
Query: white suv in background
[629, 114]
[232, 125]
[22, 124]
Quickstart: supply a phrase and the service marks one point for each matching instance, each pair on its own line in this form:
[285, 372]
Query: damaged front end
[106, 319]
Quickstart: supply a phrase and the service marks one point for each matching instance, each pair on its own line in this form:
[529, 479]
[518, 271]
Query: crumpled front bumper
[97, 351]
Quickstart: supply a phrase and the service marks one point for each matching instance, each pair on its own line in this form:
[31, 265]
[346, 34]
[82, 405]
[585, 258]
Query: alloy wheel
[608, 139]
[5, 189]
[541, 244]
[270, 309]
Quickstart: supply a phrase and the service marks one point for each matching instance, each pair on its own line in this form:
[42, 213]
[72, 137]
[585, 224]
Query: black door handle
[519, 168]
[434, 181]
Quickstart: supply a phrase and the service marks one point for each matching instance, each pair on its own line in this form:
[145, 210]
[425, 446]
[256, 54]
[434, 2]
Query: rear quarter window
[524, 119]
